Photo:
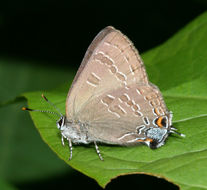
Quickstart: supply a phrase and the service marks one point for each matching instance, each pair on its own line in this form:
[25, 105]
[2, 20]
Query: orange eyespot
[147, 139]
[161, 122]
[140, 140]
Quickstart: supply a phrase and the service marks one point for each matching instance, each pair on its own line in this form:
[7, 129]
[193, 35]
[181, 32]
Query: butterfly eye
[60, 123]
[161, 122]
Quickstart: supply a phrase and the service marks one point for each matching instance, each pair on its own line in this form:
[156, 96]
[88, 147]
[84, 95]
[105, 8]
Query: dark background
[59, 32]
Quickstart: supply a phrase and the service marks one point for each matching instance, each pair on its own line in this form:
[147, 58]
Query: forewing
[122, 115]
[111, 61]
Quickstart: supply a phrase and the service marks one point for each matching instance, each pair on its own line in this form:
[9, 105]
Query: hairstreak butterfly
[111, 99]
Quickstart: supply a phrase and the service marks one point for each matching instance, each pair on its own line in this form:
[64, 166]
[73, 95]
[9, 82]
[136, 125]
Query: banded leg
[71, 148]
[98, 151]
[62, 140]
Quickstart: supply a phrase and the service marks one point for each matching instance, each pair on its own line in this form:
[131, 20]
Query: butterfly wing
[111, 61]
[122, 116]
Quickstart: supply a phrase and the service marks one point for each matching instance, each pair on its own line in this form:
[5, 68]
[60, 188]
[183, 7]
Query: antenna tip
[24, 108]
[27, 109]
[44, 97]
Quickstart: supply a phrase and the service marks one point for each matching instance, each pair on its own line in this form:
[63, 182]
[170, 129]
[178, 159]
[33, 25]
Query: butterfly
[111, 100]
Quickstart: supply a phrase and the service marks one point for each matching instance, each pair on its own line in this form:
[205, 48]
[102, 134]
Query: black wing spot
[153, 144]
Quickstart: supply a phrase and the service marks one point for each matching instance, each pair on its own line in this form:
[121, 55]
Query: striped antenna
[43, 111]
[51, 104]
[58, 113]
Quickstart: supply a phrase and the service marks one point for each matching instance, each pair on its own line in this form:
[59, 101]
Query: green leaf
[179, 68]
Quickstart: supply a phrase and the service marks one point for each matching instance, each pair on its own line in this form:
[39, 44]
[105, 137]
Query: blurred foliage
[20, 76]
[23, 153]
[5, 186]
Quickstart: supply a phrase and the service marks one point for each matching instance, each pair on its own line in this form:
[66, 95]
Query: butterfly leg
[62, 140]
[71, 148]
[98, 151]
